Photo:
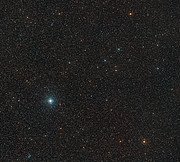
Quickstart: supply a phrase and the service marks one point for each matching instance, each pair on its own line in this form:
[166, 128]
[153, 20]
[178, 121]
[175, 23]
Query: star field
[89, 81]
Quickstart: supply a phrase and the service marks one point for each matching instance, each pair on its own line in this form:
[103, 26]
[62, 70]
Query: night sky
[89, 80]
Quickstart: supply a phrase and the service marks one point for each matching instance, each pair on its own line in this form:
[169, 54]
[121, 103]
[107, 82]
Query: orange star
[144, 141]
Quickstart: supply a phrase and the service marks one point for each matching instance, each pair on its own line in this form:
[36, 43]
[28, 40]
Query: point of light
[118, 49]
[60, 13]
[29, 156]
[50, 101]
[144, 141]
[120, 141]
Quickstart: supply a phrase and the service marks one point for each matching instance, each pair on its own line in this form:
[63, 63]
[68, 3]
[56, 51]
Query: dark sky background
[111, 70]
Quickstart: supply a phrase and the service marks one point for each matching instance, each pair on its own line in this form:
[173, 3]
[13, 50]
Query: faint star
[120, 141]
[29, 156]
[118, 48]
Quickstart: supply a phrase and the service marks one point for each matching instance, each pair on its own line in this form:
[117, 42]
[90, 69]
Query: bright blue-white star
[50, 101]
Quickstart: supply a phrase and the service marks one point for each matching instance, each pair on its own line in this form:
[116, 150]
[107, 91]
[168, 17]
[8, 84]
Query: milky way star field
[89, 80]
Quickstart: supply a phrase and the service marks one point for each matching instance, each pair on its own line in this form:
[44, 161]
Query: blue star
[118, 48]
[50, 101]
[29, 156]
[105, 60]
[157, 68]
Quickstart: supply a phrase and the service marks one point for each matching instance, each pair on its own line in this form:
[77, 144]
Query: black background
[106, 100]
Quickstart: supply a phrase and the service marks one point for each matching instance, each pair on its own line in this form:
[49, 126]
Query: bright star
[50, 101]
[144, 141]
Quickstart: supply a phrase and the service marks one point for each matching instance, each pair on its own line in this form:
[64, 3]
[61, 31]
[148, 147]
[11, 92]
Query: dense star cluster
[89, 80]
